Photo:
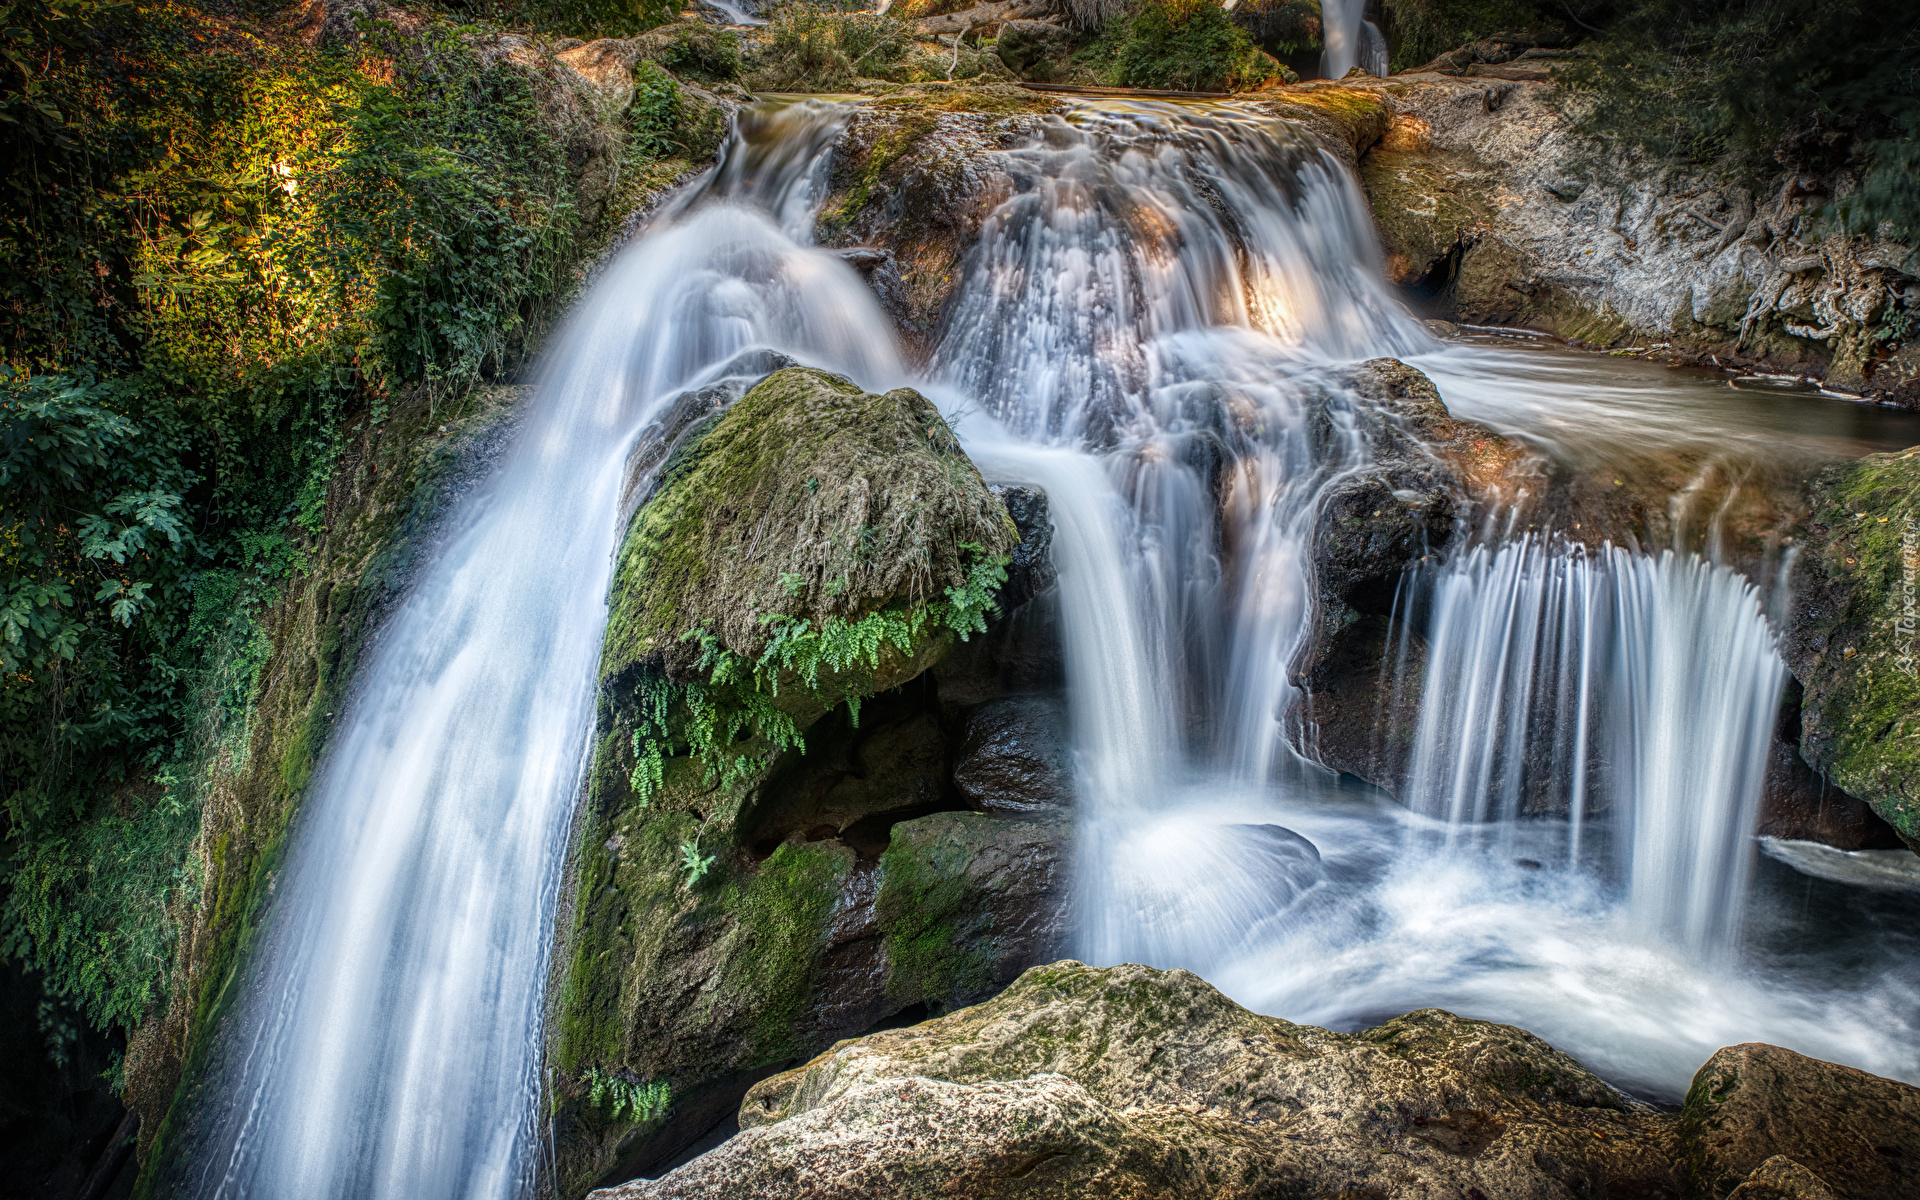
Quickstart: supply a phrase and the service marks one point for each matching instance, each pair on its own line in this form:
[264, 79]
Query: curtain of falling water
[389, 1041]
[1150, 318]
[1562, 680]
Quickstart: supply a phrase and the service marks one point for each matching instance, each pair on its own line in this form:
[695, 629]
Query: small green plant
[656, 110]
[1191, 45]
[734, 701]
[618, 1092]
[694, 863]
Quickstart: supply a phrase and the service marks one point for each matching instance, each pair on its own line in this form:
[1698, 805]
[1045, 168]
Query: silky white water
[389, 1043]
[1152, 328]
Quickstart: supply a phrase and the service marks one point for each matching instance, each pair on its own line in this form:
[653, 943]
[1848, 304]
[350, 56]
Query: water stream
[389, 1044]
[1151, 328]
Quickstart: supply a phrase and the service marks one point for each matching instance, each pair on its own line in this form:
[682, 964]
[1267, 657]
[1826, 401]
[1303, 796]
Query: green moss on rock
[808, 499]
[1853, 640]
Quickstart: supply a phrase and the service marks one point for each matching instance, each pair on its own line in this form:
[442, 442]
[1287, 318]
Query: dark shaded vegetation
[224, 255]
[1764, 88]
[1185, 45]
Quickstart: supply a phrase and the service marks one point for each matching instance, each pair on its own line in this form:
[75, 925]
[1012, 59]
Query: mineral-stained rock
[1015, 757]
[1151, 1083]
[1781, 1178]
[1429, 472]
[1857, 1134]
[1853, 638]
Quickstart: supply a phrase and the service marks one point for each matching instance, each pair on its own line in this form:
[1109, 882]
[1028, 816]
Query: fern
[717, 717]
[641, 1102]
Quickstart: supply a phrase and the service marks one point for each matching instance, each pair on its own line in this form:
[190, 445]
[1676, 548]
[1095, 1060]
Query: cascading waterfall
[390, 1041]
[1152, 328]
[1152, 325]
[1563, 680]
[1349, 40]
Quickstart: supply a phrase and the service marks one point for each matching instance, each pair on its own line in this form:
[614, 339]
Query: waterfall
[1563, 680]
[1348, 40]
[389, 1042]
[1151, 326]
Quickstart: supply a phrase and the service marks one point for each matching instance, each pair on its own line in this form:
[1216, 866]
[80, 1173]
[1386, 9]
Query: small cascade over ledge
[1605, 683]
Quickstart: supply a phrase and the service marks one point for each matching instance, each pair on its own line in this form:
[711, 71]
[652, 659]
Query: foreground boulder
[1761, 1121]
[1128, 1081]
[1131, 1082]
[774, 853]
[1853, 640]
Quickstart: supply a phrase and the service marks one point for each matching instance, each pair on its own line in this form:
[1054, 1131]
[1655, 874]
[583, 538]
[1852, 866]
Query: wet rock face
[1796, 802]
[1481, 200]
[1430, 473]
[1151, 1083]
[1857, 1135]
[1853, 639]
[1015, 758]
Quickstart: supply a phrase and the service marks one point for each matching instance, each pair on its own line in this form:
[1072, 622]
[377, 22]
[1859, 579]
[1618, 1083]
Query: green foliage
[1422, 30]
[1185, 45]
[623, 1095]
[729, 720]
[694, 863]
[656, 109]
[1753, 88]
[584, 19]
[817, 47]
[218, 251]
[703, 52]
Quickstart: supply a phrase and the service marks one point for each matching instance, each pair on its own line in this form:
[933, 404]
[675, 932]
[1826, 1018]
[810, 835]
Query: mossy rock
[1852, 638]
[808, 499]
[1424, 212]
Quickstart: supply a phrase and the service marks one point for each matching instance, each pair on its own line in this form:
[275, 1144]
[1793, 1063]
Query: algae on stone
[1852, 639]
[808, 546]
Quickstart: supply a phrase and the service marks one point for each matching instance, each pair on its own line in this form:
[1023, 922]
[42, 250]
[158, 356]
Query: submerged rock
[1853, 638]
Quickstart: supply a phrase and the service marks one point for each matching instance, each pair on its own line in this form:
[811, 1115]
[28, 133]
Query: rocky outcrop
[775, 853]
[1127, 1081]
[1853, 640]
[1429, 474]
[1752, 1106]
[1485, 199]
[914, 178]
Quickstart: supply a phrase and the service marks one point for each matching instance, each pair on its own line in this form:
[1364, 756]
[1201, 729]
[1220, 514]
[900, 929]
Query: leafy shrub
[1422, 30]
[218, 250]
[703, 52]
[813, 47]
[1185, 45]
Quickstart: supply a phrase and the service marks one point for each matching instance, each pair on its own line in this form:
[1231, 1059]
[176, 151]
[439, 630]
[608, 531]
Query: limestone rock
[1157, 1085]
[808, 499]
[967, 902]
[1853, 639]
[1856, 1134]
[1428, 471]
[1487, 200]
[1781, 1178]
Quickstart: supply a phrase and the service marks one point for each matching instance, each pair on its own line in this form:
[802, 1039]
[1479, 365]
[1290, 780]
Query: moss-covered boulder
[807, 501]
[1852, 638]
[1855, 1136]
[770, 858]
[1128, 1081]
